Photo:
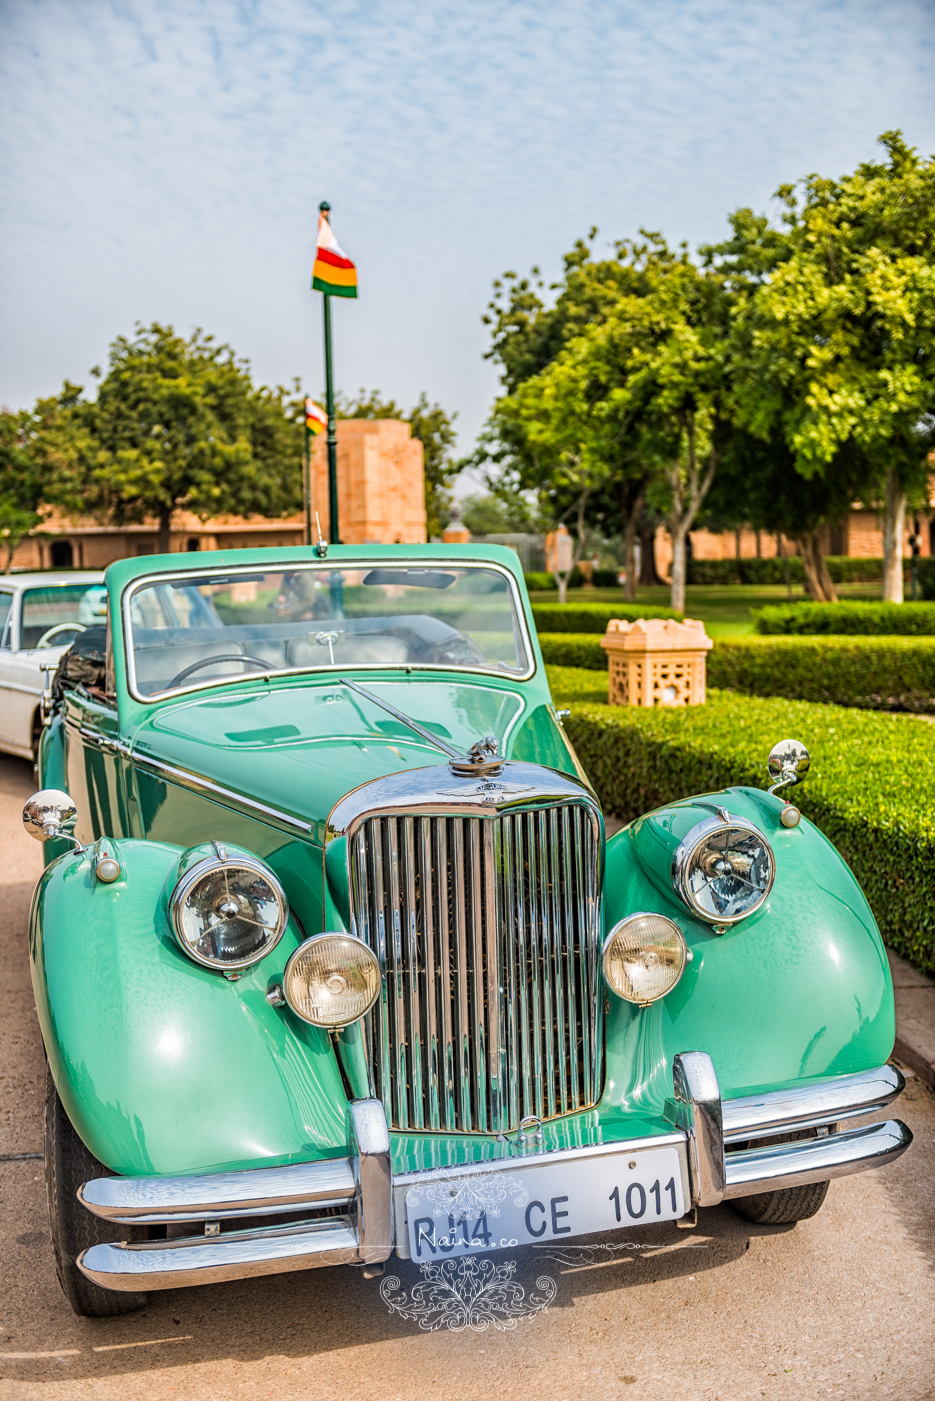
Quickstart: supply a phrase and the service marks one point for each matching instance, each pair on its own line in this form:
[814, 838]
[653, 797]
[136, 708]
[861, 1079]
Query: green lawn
[724, 610]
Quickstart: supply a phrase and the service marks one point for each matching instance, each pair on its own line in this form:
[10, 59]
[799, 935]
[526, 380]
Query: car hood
[300, 747]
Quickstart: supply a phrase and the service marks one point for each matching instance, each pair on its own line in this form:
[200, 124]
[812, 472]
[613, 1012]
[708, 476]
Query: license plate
[532, 1204]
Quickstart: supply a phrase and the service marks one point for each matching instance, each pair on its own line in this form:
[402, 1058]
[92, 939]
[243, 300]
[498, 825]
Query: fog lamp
[643, 958]
[331, 980]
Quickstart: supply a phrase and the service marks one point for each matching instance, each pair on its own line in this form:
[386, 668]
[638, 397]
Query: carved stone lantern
[656, 662]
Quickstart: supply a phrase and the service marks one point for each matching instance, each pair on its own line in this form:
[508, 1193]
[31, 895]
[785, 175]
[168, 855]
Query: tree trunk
[165, 530]
[893, 529]
[561, 582]
[679, 568]
[648, 576]
[786, 572]
[11, 545]
[817, 579]
[630, 508]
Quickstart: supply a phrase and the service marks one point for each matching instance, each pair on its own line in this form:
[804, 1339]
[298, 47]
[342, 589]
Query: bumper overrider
[353, 1210]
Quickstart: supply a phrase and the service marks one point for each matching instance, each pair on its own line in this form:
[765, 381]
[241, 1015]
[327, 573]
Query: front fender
[164, 1066]
[800, 989]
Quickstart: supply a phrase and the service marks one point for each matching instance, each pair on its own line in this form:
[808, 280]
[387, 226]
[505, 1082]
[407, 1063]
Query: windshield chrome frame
[327, 669]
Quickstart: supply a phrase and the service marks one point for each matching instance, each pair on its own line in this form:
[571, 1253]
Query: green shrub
[542, 579]
[871, 788]
[848, 619]
[592, 617]
[744, 571]
[926, 576]
[581, 649]
[874, 673]
[605, 578]
[844, 569]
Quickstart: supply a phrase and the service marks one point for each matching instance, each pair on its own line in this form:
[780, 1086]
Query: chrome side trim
[254, 1192]
[209, 1260]
[812, 1105]
[698, 1102]
[196, 781]
[815, 1160]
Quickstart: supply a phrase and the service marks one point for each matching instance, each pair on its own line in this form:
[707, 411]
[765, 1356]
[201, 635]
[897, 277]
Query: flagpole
[307, 478]
[332, 438]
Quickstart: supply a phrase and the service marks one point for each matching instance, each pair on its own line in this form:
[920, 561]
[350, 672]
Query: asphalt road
[839, 1306]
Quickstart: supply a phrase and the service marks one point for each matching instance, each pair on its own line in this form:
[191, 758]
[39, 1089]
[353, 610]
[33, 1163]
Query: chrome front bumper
[370, 1217]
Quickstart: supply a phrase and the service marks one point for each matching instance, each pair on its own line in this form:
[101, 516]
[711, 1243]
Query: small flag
[333, 272]
[316, 421]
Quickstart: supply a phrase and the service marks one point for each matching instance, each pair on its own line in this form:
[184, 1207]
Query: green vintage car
[331, 956]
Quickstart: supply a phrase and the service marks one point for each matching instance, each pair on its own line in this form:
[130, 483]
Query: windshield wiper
[405, 719]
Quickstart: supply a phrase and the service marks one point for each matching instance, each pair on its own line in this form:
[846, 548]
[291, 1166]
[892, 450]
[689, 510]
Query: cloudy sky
[164, 159]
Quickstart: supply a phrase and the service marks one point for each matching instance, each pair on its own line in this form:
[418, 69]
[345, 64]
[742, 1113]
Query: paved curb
[915, 1018]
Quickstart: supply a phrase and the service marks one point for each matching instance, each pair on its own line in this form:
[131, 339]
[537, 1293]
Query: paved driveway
[839, 1306]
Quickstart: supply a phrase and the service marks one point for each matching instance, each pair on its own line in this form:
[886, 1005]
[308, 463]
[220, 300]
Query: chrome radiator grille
[488, 932]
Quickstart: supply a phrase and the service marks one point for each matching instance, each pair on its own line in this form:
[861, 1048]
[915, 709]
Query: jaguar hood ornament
[482, 759]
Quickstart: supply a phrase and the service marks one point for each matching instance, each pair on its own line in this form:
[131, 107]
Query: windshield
[198, 629]
[53, 616]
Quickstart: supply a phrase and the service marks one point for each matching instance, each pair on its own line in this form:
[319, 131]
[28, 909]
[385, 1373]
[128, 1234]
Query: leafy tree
[21, 485]
[38, 451]
[178, 424]
[435, 430]
[637, 400]
[837, 343]
[499, 513]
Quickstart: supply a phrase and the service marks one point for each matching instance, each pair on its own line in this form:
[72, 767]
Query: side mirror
[788, 762]
[50, 814]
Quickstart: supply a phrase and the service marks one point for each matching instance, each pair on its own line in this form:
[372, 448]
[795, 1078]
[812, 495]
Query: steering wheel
[206, 661]
[46, 639]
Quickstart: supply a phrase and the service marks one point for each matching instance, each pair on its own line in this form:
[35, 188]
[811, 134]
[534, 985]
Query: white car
[40, 616]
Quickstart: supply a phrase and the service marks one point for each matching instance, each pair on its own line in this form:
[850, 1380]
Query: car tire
[783, 1207]
[68, 1163]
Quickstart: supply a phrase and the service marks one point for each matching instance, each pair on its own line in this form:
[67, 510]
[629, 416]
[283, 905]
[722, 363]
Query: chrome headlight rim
[682, 861]
[613, 935]
[302, 950]
[183, 888]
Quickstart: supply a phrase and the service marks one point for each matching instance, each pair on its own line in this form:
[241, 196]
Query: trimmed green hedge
[871, 788]
[592, 617]
[844, 569]
[873, 673]
[851, 618]
[600, 578]
[573, 649]
[926, 574]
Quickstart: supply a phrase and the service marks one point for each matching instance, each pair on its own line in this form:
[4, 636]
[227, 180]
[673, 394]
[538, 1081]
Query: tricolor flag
[333, 272]
[316, 421]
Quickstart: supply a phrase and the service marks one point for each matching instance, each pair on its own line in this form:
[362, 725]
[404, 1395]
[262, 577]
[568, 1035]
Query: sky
[164, 161]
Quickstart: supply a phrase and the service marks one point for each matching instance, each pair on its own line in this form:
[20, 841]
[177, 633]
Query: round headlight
[644, 956]
[331, 980]
[724, 869]
[228, 914]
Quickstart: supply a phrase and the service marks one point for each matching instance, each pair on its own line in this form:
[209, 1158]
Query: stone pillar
[456, 532]
[381, 483]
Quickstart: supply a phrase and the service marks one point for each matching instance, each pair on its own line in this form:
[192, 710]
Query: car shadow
[301, 1315]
